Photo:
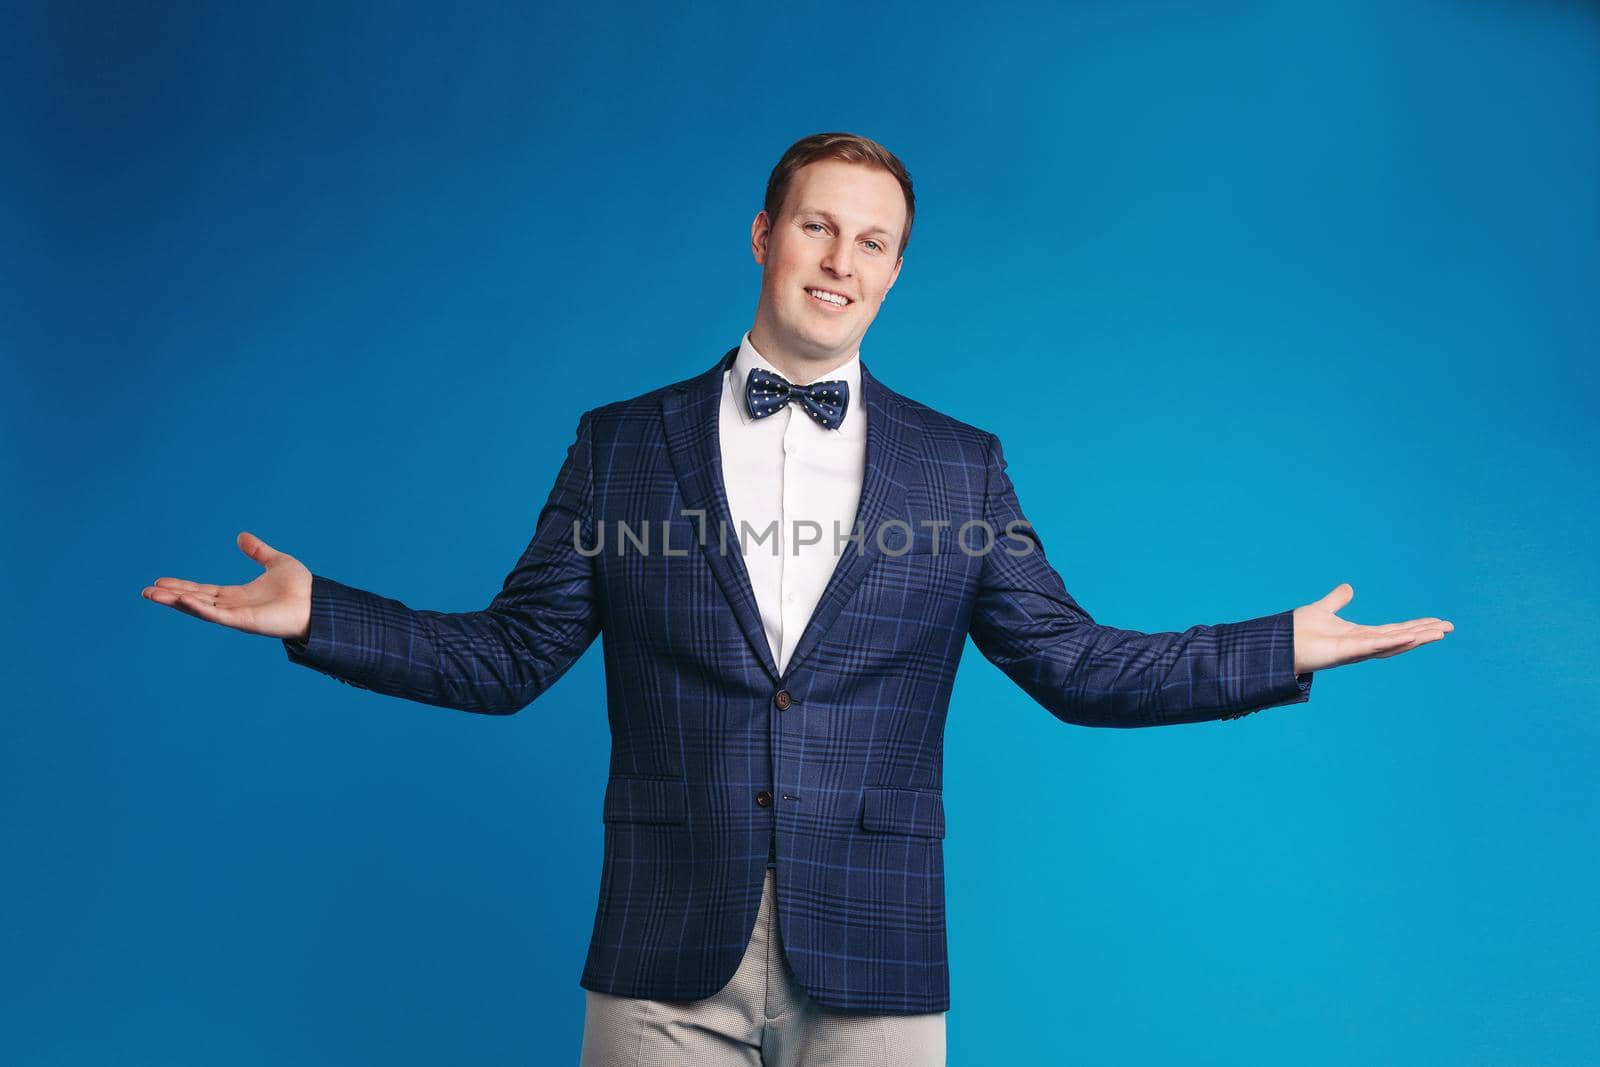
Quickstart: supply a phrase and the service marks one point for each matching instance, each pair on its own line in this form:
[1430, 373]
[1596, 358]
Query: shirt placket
[791, 499]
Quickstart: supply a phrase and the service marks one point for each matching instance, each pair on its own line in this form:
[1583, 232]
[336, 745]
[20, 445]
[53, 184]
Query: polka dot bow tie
[765, 393]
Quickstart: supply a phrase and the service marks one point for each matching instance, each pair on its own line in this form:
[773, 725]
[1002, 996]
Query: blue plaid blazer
[839, 759]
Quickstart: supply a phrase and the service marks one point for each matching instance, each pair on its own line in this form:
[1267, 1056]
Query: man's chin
[817, 346]
[820, 344]
[831, 351]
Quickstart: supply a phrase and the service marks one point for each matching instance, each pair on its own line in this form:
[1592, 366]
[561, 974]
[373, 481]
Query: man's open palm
[1323, 640]
[276, 604]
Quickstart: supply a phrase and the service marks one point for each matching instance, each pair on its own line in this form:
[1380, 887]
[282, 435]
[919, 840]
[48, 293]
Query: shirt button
[783, 700]
[763, 798]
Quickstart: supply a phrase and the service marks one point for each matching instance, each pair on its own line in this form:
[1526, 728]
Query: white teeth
[832, 298]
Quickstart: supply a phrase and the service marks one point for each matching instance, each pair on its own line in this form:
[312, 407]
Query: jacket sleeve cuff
[1258, 666]
[333, 645]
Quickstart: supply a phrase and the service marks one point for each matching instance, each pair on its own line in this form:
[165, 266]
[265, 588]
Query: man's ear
[895, 276]
[760, 230]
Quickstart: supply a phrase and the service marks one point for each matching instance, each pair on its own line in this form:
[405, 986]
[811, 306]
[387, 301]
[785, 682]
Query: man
[786, 558]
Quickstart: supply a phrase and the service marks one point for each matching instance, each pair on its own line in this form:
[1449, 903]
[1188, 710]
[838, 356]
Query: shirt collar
[848, 372]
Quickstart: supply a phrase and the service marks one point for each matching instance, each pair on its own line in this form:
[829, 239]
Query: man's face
[837, 233]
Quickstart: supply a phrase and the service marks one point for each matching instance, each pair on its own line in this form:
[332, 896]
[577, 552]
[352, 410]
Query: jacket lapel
[691, 414]
[890, 441]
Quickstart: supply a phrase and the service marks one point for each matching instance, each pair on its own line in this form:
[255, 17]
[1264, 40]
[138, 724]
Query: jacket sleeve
[1027, 624]
[494, 661]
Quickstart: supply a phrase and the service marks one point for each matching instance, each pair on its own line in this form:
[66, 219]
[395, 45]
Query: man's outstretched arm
[1027, 624]
[494, 661]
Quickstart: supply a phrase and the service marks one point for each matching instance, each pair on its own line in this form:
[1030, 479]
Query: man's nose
[839, 258]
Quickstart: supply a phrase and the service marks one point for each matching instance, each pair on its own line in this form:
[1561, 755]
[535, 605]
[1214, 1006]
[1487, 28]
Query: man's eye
[876, 247]
[808, 225]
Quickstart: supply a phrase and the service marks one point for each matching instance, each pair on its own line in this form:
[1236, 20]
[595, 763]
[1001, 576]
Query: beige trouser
[761, 1017]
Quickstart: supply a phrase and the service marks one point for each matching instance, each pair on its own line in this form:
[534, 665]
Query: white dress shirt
[803, 481]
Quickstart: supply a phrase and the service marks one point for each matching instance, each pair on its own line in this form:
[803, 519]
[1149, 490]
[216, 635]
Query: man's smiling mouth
[829, 297]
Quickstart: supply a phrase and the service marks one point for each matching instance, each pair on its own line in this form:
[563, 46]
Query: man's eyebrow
[818, 211]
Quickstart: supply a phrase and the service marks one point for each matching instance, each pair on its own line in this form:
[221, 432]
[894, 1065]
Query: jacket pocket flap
[903, 811]
[660, 800]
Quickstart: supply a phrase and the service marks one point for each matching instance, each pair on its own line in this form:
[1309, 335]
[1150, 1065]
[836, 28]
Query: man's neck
[798, 370]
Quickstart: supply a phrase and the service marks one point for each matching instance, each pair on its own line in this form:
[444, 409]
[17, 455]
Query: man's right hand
[276, 604]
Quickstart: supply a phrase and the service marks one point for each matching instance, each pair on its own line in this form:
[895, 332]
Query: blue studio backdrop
[1261, 298]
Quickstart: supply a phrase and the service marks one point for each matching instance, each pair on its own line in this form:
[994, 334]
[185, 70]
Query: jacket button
[783, 700]
[764, 798]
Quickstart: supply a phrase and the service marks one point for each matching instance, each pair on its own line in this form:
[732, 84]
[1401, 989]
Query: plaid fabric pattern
[708, 761]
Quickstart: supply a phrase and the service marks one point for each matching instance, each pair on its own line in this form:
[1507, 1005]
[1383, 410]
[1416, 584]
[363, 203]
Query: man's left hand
[1322, 639]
